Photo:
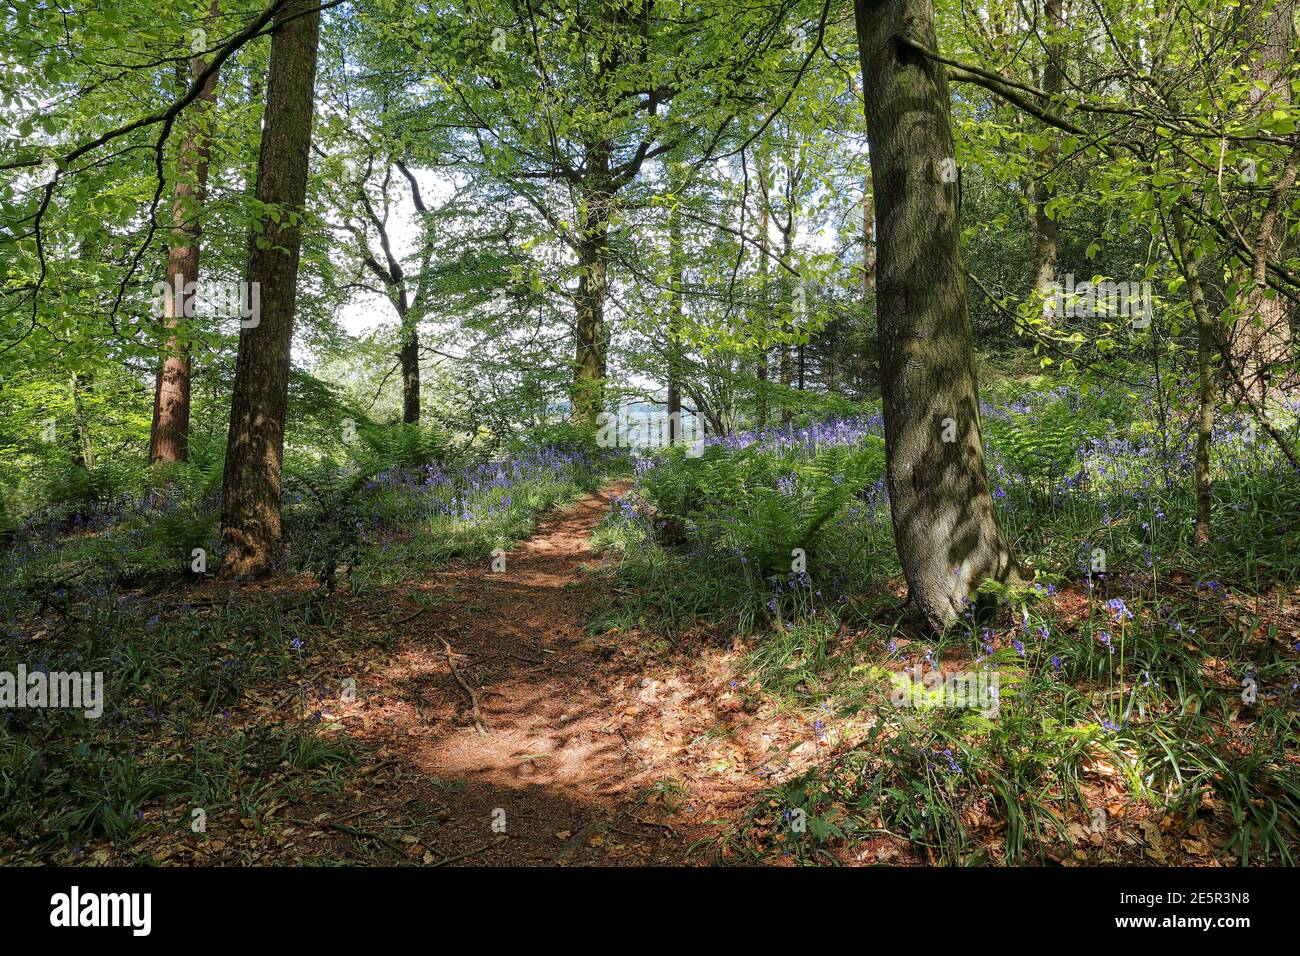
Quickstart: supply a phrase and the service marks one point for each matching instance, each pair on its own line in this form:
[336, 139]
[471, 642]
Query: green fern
[759, 504]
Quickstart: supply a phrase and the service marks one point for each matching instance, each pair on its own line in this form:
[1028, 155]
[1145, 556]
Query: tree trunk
[833, 343]
[590, 360]
[868, 244]
[409, 356]
[945, 527]
[1045, 230]
[1191, 265]
[1262, 337]
[589, 357]
[783, 366]
[762, 371]
[787, 378]
[84, 456]
[676, 321]
[169, 434]
[250, 518]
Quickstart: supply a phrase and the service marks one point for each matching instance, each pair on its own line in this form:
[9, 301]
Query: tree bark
[590, 359]
[676, 321]
[868, 244]
[945, 527]
[169, 434]
[250, 518]
[410, 359]
[1045, 229]
[1191, 265]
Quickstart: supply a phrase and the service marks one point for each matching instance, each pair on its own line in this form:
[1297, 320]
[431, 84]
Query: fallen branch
[460, 856]
[473, 695]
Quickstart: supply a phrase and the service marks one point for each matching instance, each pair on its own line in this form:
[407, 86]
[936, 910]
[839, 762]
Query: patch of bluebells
[805, 439]
[482, 489]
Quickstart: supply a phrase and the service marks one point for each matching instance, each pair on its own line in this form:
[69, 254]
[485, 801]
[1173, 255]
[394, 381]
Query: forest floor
[511, 732]
[491, 727]
[471, 714]
[504, 733]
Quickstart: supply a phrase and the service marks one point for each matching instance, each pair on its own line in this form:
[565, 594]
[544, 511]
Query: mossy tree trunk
[590, 341]
[945, 527]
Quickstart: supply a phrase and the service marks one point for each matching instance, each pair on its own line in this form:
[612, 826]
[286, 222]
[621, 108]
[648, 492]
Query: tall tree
[595, 209]
[676, 323]
[945, 527]
[762, 372]
[1189, 263]
[1045, 230]
[250, 517]
[405, 291]
[169, 434]
[1261, 341]
[764, 319]
[567, 102]
[792, 184]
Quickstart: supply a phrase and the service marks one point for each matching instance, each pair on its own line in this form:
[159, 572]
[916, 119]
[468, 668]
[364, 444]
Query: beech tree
[169, 435]
[945, 526]
[250, 516]
[569, 102]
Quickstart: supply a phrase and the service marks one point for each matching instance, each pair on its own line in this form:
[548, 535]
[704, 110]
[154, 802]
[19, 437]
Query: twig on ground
[473, 695]
[410, 617]
[460, 856]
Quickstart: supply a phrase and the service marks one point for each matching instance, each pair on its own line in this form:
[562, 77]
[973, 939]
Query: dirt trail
[572, 733]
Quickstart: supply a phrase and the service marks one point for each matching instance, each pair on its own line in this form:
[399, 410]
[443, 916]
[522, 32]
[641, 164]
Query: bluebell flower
[1119, 609]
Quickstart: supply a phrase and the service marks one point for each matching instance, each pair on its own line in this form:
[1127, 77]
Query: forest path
[573, 731]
